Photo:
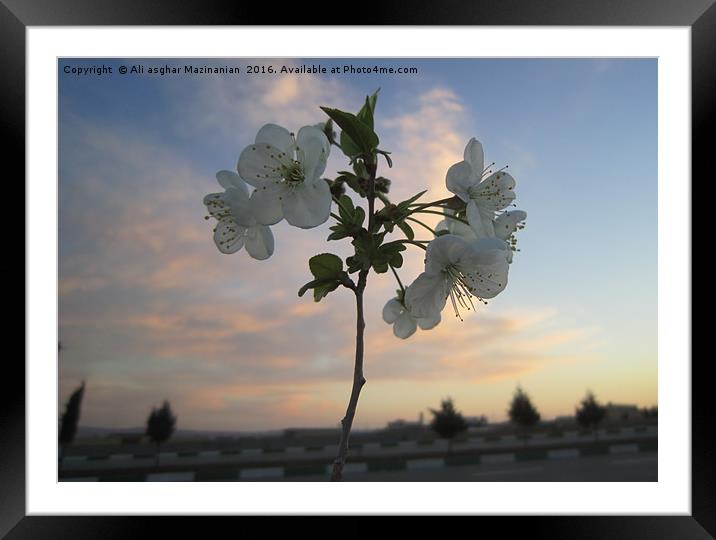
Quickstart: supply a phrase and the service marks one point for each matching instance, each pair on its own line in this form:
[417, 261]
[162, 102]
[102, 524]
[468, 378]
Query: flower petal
[261, 163]
[392, 310]
[444, 251]
[229, 179]
[307, 205]
[277, 136]
[405, 326]
[239, 205]
[313, 132]
[489, 280]
[495, 192]
[259, 242]
[427, 295]
[480, 219]
[475, 156]
[312, 151]
[458, 228]
[216, 205]
[266, 203]
[442, 226]
[228, 236]
[486, 251]
[459, 179]
[506, 223]
[426, 323]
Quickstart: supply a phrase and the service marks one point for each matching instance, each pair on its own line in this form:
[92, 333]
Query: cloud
[224, 110]
[429, 137]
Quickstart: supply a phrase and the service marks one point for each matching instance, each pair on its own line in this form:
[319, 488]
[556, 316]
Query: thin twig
[423, 224]
[445, 216]
[400, 283]
[433, 203]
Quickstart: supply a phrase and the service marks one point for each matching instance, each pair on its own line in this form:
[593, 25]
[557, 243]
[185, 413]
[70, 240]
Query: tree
[160, 425]
[590, 413]
[70, 419]
[447, 422]
[522, 412]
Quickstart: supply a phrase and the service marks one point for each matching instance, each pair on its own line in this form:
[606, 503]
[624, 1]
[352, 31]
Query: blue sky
[150, 309]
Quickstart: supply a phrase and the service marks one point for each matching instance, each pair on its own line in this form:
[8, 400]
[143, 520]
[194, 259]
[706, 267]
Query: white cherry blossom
[237, 225]
[484, 193]
[460, 270]
[504, 227]
[403, 321]
[286, 172]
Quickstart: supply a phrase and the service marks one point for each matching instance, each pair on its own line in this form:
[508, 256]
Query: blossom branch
[358, 378]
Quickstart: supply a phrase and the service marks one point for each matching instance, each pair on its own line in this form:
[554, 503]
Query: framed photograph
[323, 270]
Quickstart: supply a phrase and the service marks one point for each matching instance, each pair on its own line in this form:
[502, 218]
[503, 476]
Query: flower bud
[382, 185]
[337, 187]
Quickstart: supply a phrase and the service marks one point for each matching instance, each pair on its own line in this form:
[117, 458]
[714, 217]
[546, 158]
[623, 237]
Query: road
[641, 467]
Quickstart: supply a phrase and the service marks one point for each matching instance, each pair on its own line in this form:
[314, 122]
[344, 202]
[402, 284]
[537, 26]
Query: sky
[149, 309]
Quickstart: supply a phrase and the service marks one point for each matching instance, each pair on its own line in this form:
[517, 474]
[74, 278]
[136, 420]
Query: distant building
[472, 421]
[402, 424]
[406, 424]
[566, 419]
[621, 413]
[476, 421]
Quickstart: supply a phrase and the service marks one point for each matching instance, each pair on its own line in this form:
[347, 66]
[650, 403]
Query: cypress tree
[70, 419]
[160, 426]
[447, 422]
[522, 413]
[590, 413]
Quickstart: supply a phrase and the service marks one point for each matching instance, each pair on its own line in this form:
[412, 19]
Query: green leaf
[372, 100]
[407, 230]
[325, 265]
[311, 285]
[321, 291]
[365, 115]
[367, 112]
[362, 135]
[349, 148]
[386, 155]
[346, 208]
[411, 200]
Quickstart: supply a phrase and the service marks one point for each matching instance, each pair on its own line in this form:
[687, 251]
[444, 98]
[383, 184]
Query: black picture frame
[16, 15]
